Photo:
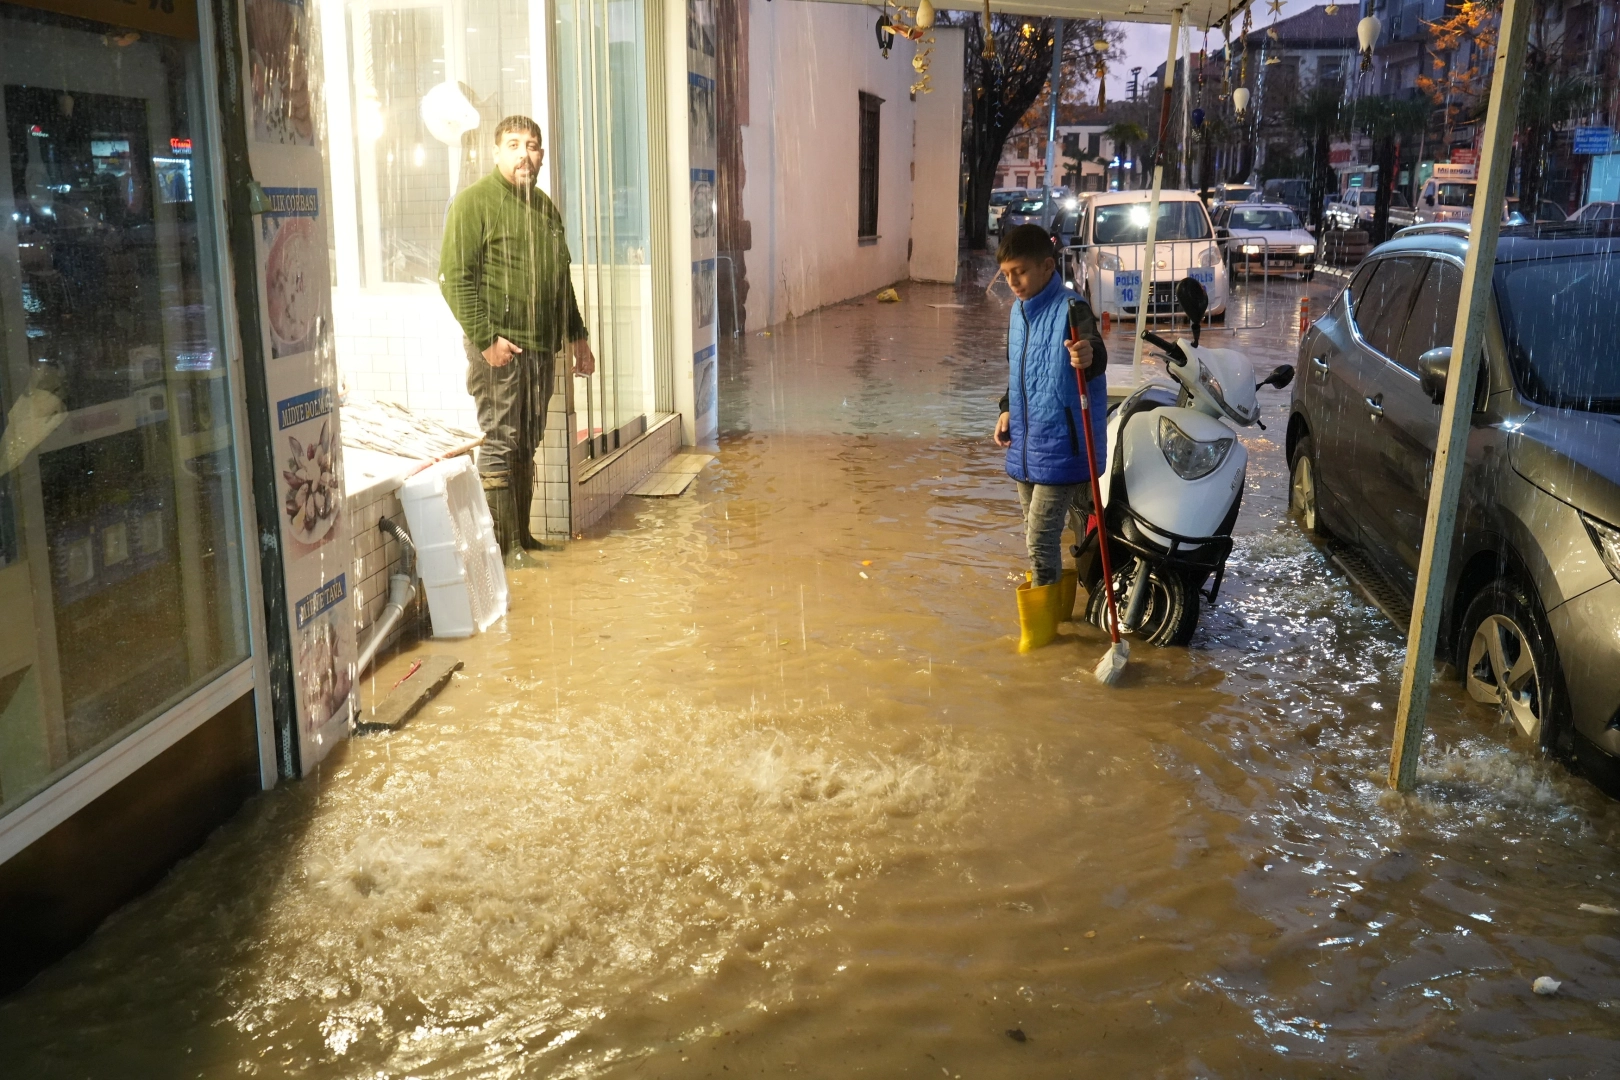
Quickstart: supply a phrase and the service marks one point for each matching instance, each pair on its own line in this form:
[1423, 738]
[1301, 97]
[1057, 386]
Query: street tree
[1124, 135]
[1315, 117]
[1003, 82]
[1385, 121]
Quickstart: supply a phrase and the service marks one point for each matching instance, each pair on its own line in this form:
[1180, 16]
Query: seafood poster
[316, 550]
[294, 271]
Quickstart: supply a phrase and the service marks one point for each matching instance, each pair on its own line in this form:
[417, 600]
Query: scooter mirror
[1194, 301]
[1280, 377]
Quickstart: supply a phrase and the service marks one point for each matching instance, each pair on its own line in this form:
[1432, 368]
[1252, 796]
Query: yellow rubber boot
[1068, 585]
[1037, 615]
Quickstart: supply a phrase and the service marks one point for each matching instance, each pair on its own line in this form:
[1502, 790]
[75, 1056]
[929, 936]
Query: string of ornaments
[913, 24]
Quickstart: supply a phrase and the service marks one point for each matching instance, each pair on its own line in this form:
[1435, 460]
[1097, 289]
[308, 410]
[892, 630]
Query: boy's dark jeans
[1046, 509]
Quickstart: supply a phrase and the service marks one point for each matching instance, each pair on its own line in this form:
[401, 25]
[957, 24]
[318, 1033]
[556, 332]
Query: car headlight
[1251, 249]
[1107, 260]
[1209, 258]
[1307, 249]
[1192, 459]
[1607, 539]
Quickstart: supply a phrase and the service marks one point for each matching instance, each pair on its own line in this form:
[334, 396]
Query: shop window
[603, 191]
[869, 129]
[121, 576]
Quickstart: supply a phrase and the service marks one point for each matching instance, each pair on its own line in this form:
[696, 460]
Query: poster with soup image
[293, 246]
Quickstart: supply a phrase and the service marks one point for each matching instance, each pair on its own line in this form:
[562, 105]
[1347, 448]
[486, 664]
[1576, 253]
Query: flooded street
[753, 783]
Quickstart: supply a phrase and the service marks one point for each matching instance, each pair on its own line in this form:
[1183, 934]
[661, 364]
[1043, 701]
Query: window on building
[870, 106]
[1094, 144]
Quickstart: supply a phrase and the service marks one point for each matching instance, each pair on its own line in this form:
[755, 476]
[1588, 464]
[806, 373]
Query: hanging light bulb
[1240, 101]
[925, 15]
[1367, 34]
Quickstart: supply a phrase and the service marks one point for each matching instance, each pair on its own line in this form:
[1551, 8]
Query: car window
[1385, 300]
[1270, 218]
[1434, 314]
[1455, 194]
[1358, 286]
[1555, 320]
[1127, 223]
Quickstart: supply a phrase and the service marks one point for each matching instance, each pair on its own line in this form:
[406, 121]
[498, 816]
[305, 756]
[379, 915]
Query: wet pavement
[752, 782]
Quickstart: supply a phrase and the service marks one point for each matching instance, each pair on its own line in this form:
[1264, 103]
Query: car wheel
[1302, 489]
[1169, 610]
[1509, 661]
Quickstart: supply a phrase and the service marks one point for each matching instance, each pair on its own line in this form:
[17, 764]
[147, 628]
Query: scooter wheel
[1169, 610]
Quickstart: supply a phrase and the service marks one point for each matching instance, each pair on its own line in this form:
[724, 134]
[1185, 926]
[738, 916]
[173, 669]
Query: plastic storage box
[456, 551]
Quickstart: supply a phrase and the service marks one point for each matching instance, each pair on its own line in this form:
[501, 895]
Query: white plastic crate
[456, 551]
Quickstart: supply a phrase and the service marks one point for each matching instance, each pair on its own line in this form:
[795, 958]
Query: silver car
[1532, 612]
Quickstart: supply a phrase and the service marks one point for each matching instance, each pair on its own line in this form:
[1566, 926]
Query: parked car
[1026, 211]
[1292, 193]
[1222, 194]
[1356, 208]
[1547, 211]
[1597, 211]
[1262, 238]
[1000, 200]
[1112, 239]
[1531, 615]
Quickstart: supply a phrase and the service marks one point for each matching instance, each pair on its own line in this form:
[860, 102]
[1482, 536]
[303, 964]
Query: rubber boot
[503, 509]
[1068, 585]
[1037, 615]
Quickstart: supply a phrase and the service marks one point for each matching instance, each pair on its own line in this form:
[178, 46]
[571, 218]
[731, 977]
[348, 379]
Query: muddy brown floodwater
[752, 783]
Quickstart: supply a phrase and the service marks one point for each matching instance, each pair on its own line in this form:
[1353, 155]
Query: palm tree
[1315, 117]
[1124, 135]
[1385, 119]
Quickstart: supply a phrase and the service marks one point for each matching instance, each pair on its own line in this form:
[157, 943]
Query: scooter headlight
[1189, 457]
[1107, 260]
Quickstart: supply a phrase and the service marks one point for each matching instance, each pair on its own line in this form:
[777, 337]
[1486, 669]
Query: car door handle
[1319, 363]
[1375, 405]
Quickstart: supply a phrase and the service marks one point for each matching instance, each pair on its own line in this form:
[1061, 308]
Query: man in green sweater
[503, 270]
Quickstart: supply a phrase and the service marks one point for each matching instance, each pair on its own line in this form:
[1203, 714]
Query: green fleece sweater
[503, 268]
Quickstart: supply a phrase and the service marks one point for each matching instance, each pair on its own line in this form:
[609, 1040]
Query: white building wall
[807, 64]
[937, 153]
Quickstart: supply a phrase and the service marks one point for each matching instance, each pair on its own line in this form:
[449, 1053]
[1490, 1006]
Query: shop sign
[1464, 155]
[175, 18]
[1594, 140]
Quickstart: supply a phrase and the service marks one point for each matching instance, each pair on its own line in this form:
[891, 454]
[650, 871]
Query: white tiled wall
[406, 348]
[375, 557]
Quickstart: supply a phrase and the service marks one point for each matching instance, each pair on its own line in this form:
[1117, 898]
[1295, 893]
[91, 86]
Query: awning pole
[1144, 289]
[1461, 385]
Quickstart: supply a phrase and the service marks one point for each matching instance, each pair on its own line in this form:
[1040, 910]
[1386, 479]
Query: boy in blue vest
[1040, 422]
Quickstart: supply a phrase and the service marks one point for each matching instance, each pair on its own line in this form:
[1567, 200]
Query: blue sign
[1594, 140]
[1127, 283]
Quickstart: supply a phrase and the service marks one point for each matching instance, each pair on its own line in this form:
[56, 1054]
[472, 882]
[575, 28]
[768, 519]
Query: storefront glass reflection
[120, 553]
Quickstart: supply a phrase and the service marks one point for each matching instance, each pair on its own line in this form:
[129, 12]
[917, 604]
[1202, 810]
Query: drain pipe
[401, 591]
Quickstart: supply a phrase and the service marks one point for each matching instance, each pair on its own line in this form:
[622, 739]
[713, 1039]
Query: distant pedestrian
[1040, 424]
[503, 269]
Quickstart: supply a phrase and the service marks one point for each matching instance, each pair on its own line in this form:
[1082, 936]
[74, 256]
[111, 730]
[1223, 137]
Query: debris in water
[863, 574]
[888, 296]
[1091, 933]
[1599, 909]
[1546, 986]
[1017, 1035]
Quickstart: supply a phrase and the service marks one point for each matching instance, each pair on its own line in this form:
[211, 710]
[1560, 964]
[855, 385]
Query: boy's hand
[1080, 353]
[1003, 434]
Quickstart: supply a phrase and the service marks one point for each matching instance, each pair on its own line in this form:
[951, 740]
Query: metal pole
[1144, 291]
[1461, 383]
[1054, 87]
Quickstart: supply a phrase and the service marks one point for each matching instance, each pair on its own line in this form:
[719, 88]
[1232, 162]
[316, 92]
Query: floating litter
[1546, 986]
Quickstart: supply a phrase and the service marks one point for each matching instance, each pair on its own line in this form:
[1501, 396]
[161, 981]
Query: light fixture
[1240, 101]
[448, 114]
[925, 15]
[1367, 34]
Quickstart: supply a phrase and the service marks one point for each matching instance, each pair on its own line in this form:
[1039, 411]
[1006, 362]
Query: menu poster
[297, 294]
[279, 66]
[301, 371]
[701, 108]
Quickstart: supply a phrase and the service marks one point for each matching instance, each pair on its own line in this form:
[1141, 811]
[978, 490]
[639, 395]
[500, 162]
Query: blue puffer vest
[1043, 400]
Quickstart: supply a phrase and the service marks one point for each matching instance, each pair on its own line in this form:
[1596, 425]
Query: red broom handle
[1096, 498]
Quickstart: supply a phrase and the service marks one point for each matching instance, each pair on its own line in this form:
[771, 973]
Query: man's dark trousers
[511, 404]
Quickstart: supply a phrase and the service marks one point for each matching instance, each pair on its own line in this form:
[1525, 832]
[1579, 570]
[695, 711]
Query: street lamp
[1367, 34]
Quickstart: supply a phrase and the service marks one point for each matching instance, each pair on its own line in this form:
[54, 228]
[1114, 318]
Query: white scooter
[1174, 484]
